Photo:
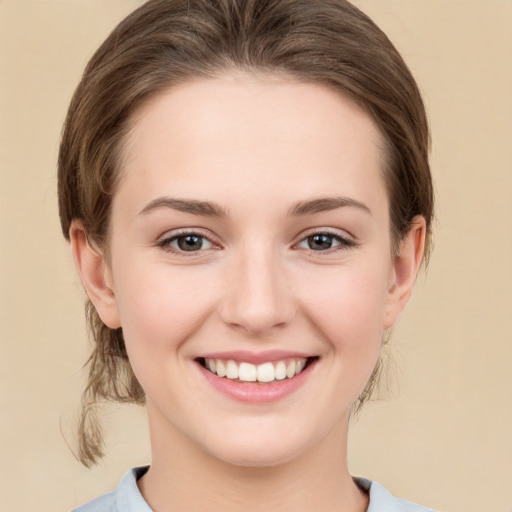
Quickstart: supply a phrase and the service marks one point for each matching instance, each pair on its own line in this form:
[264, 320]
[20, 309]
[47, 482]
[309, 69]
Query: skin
[256, 146]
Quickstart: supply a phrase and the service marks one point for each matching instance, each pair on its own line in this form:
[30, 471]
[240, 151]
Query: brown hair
[165, 42]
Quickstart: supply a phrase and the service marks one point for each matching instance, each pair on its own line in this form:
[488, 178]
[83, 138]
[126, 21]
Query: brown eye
[321, 242]
[186, 242]
[325, 241]
[190, 242]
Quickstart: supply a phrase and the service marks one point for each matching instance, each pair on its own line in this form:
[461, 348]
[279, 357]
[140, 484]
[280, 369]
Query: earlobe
[405, 269]
[95, 275]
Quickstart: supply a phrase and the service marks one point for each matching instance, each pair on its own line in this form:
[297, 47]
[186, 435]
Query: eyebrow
[204, 208]
[208, 209]
[324, 204]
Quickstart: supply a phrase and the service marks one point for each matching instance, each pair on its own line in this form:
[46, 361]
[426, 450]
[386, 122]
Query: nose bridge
[257, 296]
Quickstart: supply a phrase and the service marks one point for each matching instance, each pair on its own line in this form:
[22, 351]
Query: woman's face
[250, 235]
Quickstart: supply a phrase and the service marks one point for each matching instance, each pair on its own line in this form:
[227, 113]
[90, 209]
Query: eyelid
[346, 240]
[164, 240]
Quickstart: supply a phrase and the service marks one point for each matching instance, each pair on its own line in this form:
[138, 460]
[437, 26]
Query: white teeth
[248, 372]
[232, 370]
[280, 370]
[266, 372]
[221, 369]
[290, 369]
[300, 366]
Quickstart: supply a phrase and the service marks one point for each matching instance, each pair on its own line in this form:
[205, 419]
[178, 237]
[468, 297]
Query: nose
[257, 297]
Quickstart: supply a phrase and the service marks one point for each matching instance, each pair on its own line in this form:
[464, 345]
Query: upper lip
[256, 357]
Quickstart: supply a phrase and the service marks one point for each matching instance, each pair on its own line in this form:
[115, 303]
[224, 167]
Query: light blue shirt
[126, 497]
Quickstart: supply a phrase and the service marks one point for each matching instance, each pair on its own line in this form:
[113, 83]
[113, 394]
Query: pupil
[319, 242]
[190, 243]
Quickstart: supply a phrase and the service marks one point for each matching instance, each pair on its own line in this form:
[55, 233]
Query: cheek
[161, 305]
[348, 306]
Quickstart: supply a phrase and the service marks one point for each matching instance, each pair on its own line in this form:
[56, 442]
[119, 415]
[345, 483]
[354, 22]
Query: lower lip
[253, 392]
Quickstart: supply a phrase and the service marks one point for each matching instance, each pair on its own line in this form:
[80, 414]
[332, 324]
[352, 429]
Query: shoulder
[381, 500]
[126, 497]
[105, 503]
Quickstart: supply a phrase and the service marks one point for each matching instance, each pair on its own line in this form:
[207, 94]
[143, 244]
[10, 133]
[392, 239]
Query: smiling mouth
[240, 371]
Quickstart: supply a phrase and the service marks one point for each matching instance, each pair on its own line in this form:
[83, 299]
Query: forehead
[248, 132]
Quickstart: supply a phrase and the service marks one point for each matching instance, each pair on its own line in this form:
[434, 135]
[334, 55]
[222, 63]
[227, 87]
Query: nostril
[257, 321]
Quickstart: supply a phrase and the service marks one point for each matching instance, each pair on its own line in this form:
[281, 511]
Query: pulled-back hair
[166, 42]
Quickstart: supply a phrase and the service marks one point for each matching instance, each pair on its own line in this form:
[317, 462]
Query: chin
[253, 458]
[260, 451]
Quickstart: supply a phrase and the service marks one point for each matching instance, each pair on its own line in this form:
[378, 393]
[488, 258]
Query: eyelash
[343, 242]
[165, 244]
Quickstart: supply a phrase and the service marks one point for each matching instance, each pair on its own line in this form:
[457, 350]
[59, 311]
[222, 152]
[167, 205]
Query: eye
[324, 242]
[186, 242]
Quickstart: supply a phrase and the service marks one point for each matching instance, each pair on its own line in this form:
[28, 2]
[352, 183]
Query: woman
[246, 189]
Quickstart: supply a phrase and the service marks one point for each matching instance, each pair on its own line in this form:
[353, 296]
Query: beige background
[443, 437]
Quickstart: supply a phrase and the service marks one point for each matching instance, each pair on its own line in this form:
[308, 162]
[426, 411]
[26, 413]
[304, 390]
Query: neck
[184, 477]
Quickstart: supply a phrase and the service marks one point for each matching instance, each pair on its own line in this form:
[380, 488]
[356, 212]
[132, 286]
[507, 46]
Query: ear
[405, 269]
[95, 274]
